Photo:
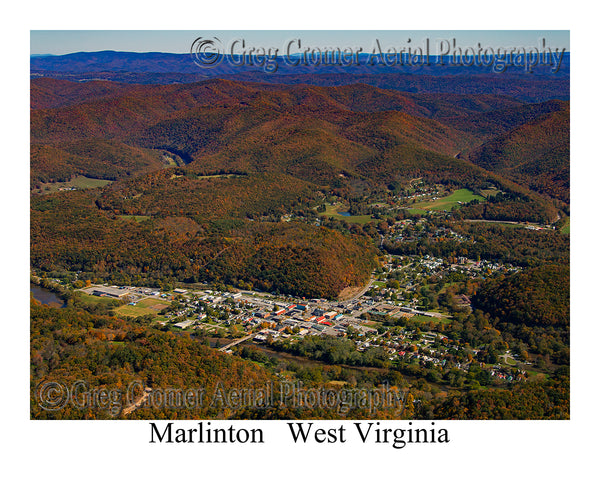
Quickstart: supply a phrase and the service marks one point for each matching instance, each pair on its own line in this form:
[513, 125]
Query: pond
[46, 297]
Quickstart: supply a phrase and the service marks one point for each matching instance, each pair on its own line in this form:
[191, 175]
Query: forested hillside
[535, 154]
[350, 230]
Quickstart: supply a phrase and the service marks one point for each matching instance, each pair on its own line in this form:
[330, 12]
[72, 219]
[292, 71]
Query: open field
[490, 192]
[148, 306]
[566, 228]
[222, 175]
[79, 183]
[137, 218]
[463, 195]
[90, 300]
[425, 319]
[333, 211]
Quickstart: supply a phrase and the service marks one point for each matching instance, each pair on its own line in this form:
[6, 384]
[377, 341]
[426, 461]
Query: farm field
[78, 183]
[462, 195]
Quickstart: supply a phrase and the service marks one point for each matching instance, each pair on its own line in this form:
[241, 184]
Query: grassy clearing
[424, 319]
[490, 192]
[89, 300]
[137, 218]
[222, 175]
[463, 195]
[172, 162]
[510, 361]
[333, 211]
[148, 306]
[78, 183]
[566, 228]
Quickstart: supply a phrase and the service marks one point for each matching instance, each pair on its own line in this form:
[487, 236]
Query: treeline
[536, 296]
[535, 154]
[94, 158]
[509, 206]
[448, 391]
[70, 345]
[333, 350]
[504, 243]
[68, 232]
[87, 353]
[181, 192]
[528, 401]
[105, 352]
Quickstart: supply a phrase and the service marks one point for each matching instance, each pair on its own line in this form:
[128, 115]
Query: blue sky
[59, 42]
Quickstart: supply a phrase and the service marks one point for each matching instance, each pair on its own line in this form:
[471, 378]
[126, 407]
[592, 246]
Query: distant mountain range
[309, 132]
[157, 62]
[163, 68]
[242, 154]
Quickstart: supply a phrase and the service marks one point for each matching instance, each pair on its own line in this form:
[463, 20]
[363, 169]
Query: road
[141, 400]
[522, 224]
[360, 292]
[239, 340]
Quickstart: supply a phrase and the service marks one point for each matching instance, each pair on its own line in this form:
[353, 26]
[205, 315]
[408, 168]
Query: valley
[306, 228]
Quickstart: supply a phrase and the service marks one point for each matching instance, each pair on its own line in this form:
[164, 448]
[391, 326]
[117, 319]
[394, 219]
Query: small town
[394, 320]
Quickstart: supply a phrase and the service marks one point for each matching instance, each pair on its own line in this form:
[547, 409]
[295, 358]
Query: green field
[566, 228]
[221, 175]
[90, 300]
[148, 306]
[463, 195]
[137, 218]
[333, 211]
[424, 319]
[80, 183]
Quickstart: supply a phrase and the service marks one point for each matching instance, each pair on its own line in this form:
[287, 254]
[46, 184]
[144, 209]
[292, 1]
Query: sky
[60, 42]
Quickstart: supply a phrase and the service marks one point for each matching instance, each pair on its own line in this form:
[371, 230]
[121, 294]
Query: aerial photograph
[299, 225]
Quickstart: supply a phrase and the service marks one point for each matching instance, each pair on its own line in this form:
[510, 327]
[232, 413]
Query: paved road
[239, 340]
